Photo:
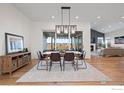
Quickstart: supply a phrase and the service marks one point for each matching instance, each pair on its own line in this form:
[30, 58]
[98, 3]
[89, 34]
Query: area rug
[69, 75]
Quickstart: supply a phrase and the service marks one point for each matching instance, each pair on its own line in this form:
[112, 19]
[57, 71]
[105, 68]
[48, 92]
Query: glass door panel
[53, 41]
[49, 41]
[62, 42]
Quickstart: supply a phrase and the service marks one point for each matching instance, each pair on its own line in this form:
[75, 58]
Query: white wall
[13, 21]
[37, 36]
[115, 34]
[44, 42]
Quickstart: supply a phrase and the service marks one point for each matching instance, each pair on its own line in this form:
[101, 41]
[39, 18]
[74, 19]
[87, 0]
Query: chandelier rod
[61, 16]
[62, 8]
[69, 16]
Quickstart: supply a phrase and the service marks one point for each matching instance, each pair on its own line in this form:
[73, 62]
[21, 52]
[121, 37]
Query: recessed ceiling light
[122, 17]
[95, 23]
[102, 29]
[109, 26]
[120, 22]
[52, 17]
[98, 17]
[76, 17]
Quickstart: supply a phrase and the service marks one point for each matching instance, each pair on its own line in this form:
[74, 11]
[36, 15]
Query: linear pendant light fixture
[65, 28]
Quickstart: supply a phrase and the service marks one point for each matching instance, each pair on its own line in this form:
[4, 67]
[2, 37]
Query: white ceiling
[110, 14]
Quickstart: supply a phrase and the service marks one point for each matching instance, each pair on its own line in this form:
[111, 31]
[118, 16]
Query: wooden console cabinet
[12, 62]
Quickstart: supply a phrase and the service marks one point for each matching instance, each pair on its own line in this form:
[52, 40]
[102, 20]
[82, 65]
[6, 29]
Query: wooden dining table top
[48, 53]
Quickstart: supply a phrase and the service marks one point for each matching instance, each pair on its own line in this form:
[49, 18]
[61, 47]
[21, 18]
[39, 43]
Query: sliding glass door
[48, 41]
[53, 41]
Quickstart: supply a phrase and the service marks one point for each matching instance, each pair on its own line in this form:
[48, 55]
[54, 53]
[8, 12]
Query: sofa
[112, 52]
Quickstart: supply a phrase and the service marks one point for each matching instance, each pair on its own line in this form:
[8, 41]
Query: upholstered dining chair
[69, 58]
[55, 57]
[42, 59]
[83, 61]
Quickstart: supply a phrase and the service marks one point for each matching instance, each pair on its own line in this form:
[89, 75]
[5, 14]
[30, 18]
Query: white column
[69, 39]
[55, 39]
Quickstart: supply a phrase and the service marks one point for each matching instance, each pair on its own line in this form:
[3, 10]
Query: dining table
[48, 53]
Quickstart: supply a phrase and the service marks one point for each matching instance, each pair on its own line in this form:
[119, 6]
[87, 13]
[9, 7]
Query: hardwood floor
[111, 66]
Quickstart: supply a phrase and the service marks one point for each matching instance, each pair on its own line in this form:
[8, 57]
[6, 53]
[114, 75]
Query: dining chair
[42, 59]
[69, 58]
[55, 57]
[83, 61]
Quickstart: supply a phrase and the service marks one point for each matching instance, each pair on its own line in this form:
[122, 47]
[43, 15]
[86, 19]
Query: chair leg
[85, 65]
[77, 65]
[38, 64]
[41, 65]
[47, 65]
[61, 65]
[74, 65]
[50, 65]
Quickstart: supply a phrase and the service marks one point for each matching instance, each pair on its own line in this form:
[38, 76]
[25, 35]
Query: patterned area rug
[69, 75]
